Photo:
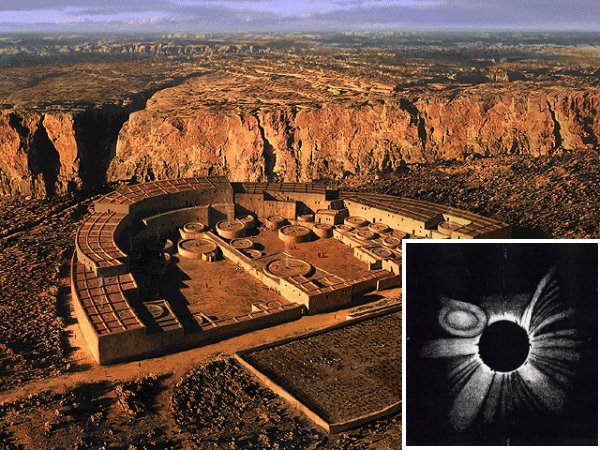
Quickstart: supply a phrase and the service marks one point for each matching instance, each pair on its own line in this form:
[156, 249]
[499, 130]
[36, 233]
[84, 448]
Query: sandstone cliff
[333, 139]
[264, 134]
[43, 153]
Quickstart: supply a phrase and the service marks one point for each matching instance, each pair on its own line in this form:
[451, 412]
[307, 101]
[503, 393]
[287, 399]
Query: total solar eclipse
[504, 346]
[501, 344]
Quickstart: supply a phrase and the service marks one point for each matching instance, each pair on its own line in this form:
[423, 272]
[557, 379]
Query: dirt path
[177, 363]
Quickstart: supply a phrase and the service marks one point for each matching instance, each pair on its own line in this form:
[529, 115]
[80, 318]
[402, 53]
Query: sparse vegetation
[35, 247]
[552, 196]
[135, 396]
[221, 406]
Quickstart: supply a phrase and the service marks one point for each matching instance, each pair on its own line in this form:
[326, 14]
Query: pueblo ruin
[166, 265]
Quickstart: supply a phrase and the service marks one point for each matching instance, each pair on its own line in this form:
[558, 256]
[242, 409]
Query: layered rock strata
[189, 130]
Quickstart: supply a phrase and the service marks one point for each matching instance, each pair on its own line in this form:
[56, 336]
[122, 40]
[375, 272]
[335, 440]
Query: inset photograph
[501, 343]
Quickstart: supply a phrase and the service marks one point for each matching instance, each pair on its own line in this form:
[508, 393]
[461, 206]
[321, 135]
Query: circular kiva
[241, 244]
[157, 311]
[294, 234]
[248, 221]
[192, 230]
[462, 319]
[379, 228]
[196, 248]
[381, 252]
[391, 241]
[288, 267]
[344, 227]
[252, 253]
[231, 229]
[306, 218]
[356, 221]
[365, 235]
[323, 230]
[274, 222]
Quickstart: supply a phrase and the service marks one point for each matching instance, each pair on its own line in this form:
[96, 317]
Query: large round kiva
[241, 243]
[197, 249]
[355, 221]
[323, 230]
[231, 229]
[294, 234]
[288, 267]
[192, 230]
[462, 319]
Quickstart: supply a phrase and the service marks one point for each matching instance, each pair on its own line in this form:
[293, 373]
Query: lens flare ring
[461, 318]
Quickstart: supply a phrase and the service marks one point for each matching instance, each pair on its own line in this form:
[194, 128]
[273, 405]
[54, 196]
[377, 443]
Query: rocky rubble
[554, 196]
[36, 243]
[217, 405]
[83, 416]
[135, 396]
[221, 406]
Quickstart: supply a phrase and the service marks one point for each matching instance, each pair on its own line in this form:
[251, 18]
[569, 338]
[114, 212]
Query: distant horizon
[281, 16]
[300, 31]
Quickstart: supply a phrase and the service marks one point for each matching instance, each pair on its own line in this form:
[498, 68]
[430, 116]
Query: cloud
[305, 14]
[469, 13]
[63, 5]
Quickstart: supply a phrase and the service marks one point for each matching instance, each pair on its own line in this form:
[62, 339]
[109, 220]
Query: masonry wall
[138, 343]
[392, 265]
[247, 203]
[285, 209]
[318, 301]
[89, 334]
[360, 254]
[330, 300]
[393, 220]
[308, 202]
[165, 202]
[337, 217]
[257, 204]
[159, 225]
[219, 212]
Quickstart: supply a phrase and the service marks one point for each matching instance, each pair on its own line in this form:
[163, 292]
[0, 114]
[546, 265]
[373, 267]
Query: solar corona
[501, 359]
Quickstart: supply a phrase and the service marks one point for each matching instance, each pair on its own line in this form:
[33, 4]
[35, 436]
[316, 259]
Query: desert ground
[508, 131]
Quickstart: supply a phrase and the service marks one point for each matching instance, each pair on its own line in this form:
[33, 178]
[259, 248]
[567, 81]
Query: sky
[294, 15]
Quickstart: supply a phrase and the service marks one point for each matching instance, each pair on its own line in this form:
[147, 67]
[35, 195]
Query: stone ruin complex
[166, 265]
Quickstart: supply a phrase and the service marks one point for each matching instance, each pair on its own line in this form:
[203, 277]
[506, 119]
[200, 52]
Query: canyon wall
[326, 142]
[45, 153]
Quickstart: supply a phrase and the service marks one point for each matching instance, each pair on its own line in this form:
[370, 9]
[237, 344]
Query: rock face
[56, 152]
[182, 133]
[328, 141]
